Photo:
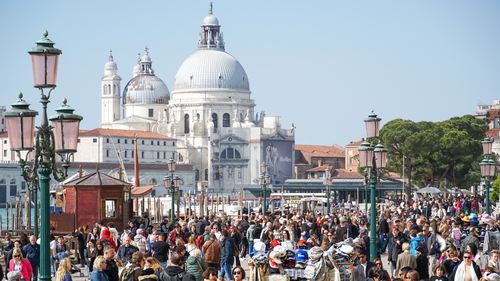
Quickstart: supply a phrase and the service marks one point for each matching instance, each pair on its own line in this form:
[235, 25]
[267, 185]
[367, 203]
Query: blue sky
[322, 65]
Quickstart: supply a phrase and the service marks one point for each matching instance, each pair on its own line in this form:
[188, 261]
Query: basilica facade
[210, 112]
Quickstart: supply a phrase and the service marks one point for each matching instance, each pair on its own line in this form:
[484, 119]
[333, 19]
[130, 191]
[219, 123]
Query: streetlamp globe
[21, 125]
[488, 167]
[365, 155]
[372, 124]
[487, 145]
[380, 155]
[44, 61]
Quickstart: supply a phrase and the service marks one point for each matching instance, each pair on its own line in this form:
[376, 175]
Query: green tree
[440, 154]
[495, 189]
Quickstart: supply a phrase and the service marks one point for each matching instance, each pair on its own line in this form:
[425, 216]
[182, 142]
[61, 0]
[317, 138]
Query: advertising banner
[278, 157]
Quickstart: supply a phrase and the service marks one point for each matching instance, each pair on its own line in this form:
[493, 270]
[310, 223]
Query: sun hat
[486, 218]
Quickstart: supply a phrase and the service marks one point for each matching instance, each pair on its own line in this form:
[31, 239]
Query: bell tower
[110, 93]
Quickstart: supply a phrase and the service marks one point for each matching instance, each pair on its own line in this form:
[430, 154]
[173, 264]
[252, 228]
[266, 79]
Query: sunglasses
[468, 257]
[377, 263]
[17, 256]
[236, 272]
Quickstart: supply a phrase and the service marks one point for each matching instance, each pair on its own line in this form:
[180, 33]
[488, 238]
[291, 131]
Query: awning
[141, 191]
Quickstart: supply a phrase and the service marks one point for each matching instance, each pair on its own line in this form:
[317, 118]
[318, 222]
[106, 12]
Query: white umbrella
[430, 190]
[466, 192]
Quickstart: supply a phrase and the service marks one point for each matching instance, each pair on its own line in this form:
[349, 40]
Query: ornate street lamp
[371, 159]
[488, 168]
[264, 181]
[60, 138]
[327, 182]
[172, 183]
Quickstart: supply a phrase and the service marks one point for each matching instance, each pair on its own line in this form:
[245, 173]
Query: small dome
[211, 69]
[110, 64]
[210, 20]
[146, 89]
[146, 57]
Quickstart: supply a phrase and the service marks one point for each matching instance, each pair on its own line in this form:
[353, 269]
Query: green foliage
[441, 154]
[495, 189]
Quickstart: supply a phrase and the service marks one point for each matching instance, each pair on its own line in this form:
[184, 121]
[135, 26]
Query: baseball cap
[301, 256]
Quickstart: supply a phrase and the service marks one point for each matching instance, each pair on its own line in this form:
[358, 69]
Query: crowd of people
[435, 239]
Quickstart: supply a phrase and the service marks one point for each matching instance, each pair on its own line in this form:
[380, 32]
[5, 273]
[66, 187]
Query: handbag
[199, 264]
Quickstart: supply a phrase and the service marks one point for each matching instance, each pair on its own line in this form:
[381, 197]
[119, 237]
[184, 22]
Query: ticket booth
[96, 197]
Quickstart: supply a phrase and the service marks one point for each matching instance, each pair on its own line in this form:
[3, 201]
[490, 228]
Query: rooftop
[320, 150]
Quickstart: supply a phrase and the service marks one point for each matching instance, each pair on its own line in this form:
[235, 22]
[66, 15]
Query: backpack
[475, 205]
[177, 277]
[256, 233]
[104, 241]
[200, 240]
[128, 274]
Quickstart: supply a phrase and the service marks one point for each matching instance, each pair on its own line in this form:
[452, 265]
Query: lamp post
[488, 168]
[59, 138]
[372, 158]
[264, 181]
[172, 183]
[327, 182]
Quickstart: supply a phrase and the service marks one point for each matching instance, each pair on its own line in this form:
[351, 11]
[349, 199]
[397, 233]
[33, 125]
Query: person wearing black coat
[395, 245]
[422, 263]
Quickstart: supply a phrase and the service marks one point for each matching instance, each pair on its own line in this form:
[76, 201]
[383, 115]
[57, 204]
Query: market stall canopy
[141, 191]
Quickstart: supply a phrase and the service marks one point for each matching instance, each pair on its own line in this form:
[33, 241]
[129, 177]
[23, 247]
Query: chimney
[80, 171]
[320, 162]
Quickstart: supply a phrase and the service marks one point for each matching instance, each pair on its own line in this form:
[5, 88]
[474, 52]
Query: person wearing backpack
[257, 231]
[175, 271]
[132, 272]
[249, 236]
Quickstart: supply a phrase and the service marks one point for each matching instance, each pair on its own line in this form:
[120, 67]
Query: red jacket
[24, 268]
[173, 236]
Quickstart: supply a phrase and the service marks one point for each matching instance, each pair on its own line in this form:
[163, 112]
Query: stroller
[75, 267]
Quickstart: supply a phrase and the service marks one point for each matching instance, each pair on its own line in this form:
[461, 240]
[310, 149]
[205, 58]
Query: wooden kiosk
[92, 198]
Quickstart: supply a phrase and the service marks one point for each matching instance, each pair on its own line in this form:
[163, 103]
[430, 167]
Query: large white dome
[146, 89]
[211, 69]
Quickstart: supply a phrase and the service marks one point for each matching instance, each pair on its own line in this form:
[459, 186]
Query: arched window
[225, 120]
[181, 158]
[215, 120]
[230, 153]
[186, 124]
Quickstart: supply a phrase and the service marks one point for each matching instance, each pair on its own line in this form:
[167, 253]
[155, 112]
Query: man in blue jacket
[32, 251]
[226, 258]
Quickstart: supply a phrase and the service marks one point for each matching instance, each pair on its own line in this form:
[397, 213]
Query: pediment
[232, 139]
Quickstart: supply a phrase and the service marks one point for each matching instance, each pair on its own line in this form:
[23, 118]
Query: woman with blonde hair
[155, 265]
[20, 264]
[99, 266]
[191, 245]
[63, 271]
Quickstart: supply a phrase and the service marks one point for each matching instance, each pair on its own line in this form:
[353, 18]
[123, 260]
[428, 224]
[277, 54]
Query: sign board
[211, 190]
